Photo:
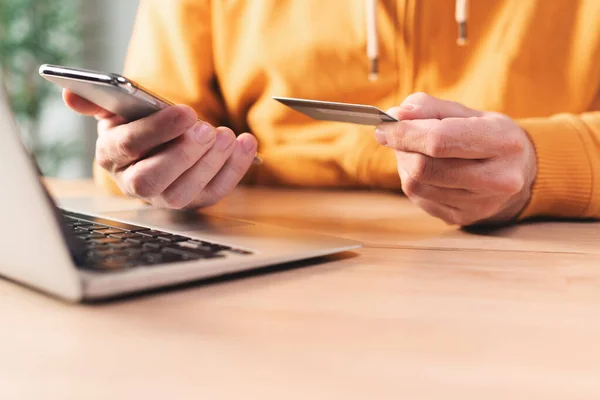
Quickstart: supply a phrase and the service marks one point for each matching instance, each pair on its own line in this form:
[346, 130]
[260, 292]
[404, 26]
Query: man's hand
[169, 159]
[461, 165]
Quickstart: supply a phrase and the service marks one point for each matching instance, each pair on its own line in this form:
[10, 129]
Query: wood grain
[423, 311]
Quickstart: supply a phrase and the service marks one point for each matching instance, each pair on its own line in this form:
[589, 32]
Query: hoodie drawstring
[460, 13]
[372, 39]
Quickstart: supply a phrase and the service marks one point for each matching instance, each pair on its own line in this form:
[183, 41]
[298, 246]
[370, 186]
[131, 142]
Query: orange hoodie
[536, 60]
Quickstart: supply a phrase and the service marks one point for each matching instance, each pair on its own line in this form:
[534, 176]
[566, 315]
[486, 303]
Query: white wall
[108, 25]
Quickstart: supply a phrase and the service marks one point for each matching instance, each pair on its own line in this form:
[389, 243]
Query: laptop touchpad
[175, 220]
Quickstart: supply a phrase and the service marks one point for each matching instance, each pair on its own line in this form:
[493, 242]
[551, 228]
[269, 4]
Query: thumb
[424, 106]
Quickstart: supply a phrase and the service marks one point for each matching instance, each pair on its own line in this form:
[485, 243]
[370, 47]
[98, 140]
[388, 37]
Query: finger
[108, 123]
[451, 197]
[150, 176]
[474, 205]
[443, 212]
[128, 143]
[468, 138]
[423, 106]
[193, 181]
[232, 172]
[486, 177]
[83, 106]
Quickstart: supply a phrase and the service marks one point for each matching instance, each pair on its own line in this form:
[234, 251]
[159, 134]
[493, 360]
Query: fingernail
[248, 145]
[380, 136]
[407, 107]
[203, 132]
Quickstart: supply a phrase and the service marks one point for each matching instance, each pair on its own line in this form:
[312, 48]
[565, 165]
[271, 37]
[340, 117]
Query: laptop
[78, 255]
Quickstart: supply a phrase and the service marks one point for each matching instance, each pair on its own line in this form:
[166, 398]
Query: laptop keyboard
[112, 245]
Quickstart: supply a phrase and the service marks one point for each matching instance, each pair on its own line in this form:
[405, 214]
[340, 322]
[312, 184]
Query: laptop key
[91, 236]
[117, 263]
[125, 235]
[198, 253]
[120, 245]
[153, 233]
[97, 227]
[112, 231]
[135, 240]
[187, 255]
[105, 240]
[153, 244]
[91, 245]
[103, 221]
[79, 224]
[133, 251]
[197, 244]
[175, 238]
[213, 247]
[150, 258]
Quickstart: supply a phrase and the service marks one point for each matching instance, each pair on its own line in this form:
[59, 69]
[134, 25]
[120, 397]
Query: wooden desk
[422, 311]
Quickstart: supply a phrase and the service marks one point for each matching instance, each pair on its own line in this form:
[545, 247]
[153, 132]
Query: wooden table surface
[423, 311]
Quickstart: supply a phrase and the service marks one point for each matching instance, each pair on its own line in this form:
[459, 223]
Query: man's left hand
[461, 165]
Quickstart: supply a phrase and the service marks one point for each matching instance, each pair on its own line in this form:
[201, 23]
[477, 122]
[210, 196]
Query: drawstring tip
[258, 160]
[374, 74]
[462, 34]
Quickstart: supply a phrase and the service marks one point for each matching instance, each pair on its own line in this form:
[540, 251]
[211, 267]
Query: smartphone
[112, 92]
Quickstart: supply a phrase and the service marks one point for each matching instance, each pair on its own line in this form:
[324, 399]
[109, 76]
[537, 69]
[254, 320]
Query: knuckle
[141, 184]
[411, 187]
[419, 168]
[201, 133]
[418, 97]
[486, 210]
[181, 114]
[455, 216]
[514, 144]
[208, 202]
[394, 135]
[450, 217]
[459, 218]
[102, 158]
[176, 117]
[218, 192]
[184, 154]
[175, 200]
[210, 166]
[436, 144]
[512, 184]
[125, 146]
[239, 168]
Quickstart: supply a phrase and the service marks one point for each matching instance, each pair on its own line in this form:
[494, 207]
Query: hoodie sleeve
[568, 178]
[170, 53]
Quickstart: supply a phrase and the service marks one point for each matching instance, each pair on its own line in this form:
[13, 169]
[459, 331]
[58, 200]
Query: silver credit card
[339, 112]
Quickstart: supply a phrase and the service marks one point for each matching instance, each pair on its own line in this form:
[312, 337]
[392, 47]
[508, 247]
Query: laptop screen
[17, 153]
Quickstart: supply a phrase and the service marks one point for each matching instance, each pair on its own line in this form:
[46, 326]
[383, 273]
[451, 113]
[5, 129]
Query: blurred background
[79, 33]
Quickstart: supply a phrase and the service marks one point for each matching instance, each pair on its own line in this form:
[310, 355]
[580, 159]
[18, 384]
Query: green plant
[33, 32]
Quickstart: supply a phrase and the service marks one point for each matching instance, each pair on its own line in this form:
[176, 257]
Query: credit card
[339, 112]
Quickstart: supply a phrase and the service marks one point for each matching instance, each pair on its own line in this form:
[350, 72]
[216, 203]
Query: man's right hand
[170, 158]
